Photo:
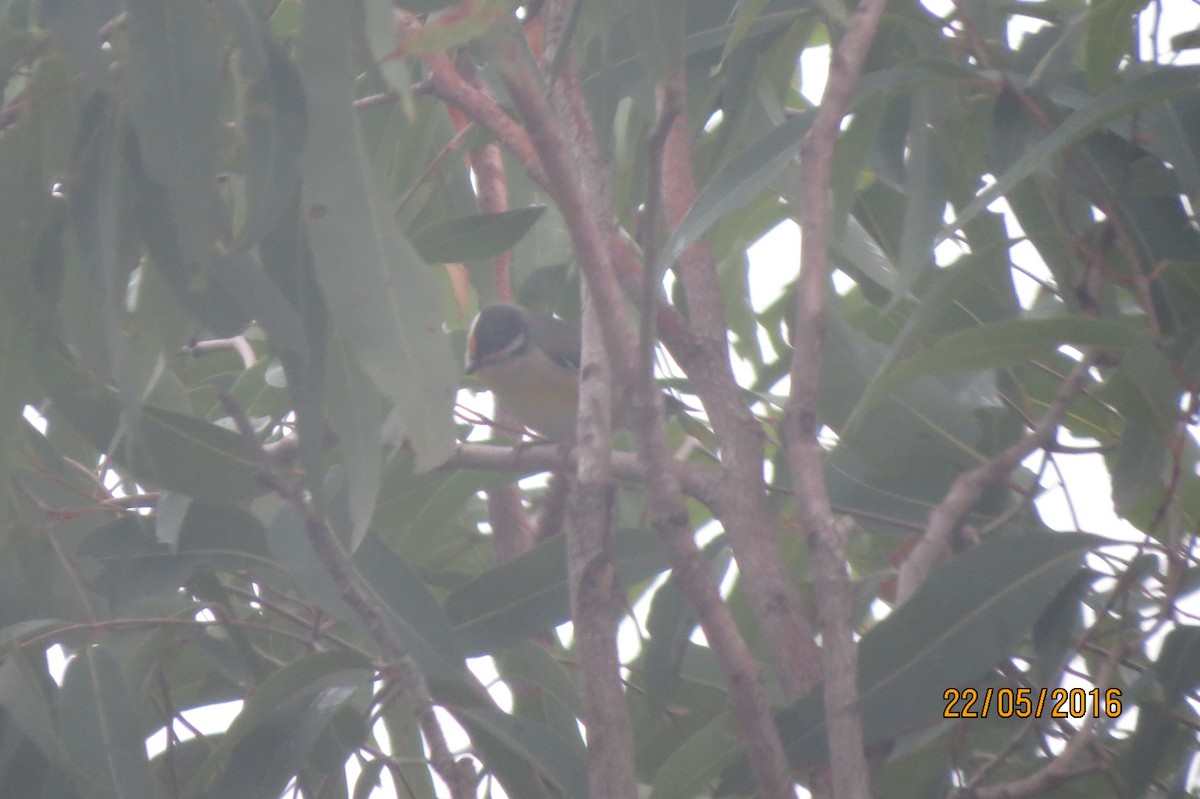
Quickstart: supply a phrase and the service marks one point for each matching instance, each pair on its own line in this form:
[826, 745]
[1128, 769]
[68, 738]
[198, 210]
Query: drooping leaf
[357, 419]
[274, 119]
[299, 699]
[97, 727]
[1145, 390]
[736, 183]
[996, 345]
[970, 613]
[26, 696]
[1151, 87]
[528, 594]
[178, 452]
[1158, 737]
[381, 298]
[553, 756]
[474, 237]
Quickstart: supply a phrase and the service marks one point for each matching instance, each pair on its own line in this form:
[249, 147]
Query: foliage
[233, 236]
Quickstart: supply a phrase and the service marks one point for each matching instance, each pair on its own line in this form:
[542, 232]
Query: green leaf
[546, 750]
[415, 614]
[529, 667]
[992, 346]
[735, 184]
[669, 626]
[1145, 391]
[1149, 88]
[177, 452]
[172, 74]
[747, 12]
[424, 6]
[475, 237]
[288, 261]
[408, 749]
[15, 635]
[356, 415]
[26, 696]
[926, 191]
[1158, 734]
[270, 755]
[691, 768]
[220, 528]
[978, 605]
[415, 510]
[1111, 33]
[658, 29]
[528, 594]
[969, 614]
[432, 642]
[97, 727]
[274, 120]
[381, 297]
[93, 211]
[312, 684]
[73, 28]
[288, 542]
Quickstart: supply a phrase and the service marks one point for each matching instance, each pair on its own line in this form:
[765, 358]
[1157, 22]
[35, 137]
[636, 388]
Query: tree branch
[566, 144]
[595, 601]
[698, 482]
[703, 354]
[579, 190]
[826, 537]
[596, 606]
[969, 486]
[449, 86]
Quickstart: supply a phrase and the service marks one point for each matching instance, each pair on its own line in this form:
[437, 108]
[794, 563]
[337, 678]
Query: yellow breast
[542, 395]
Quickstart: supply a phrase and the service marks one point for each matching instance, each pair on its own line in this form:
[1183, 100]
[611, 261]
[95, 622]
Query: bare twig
[239, 344]
[376, 100]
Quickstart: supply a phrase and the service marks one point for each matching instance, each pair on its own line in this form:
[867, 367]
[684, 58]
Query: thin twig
[1059, 769]
[970, 485]
[365, 604]
[448, 85]
[239, 344]
[698, 482]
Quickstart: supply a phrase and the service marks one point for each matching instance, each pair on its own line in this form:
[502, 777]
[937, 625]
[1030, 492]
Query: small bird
[531, 363]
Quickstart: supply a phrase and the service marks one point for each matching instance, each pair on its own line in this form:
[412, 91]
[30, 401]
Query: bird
[531, 364]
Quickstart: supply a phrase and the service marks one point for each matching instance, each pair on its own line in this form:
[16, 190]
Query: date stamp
[1024, 703]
